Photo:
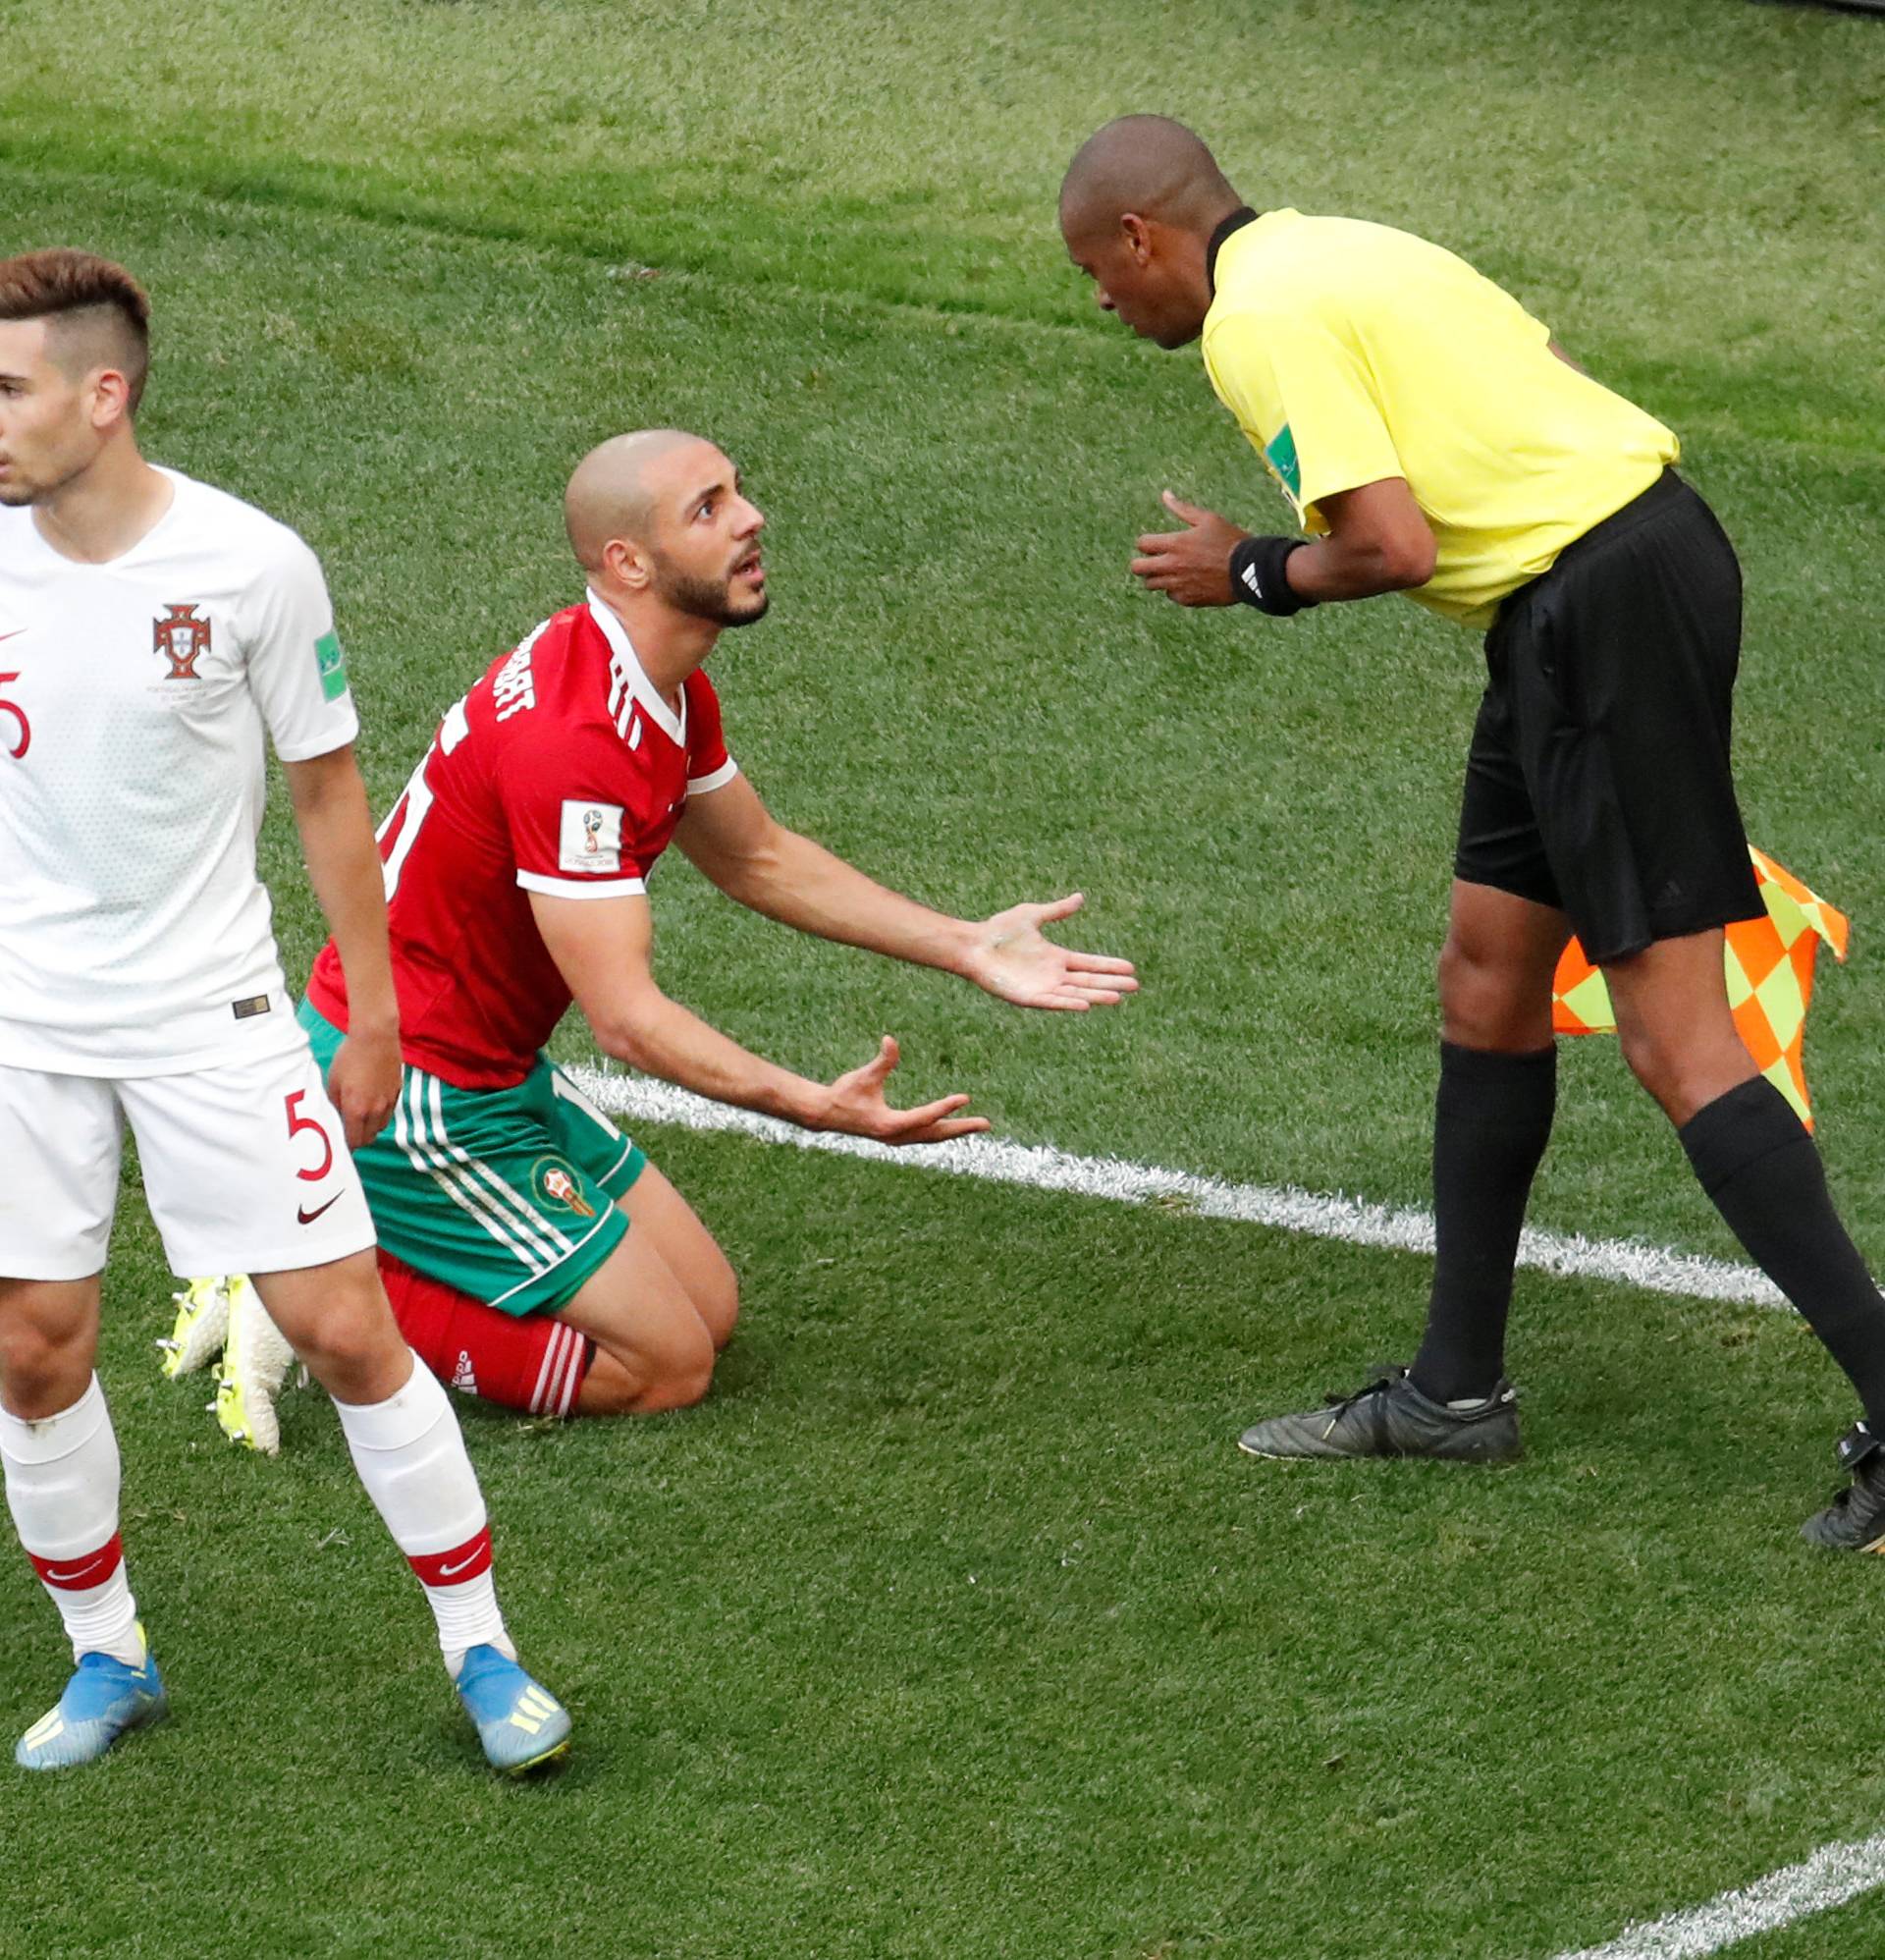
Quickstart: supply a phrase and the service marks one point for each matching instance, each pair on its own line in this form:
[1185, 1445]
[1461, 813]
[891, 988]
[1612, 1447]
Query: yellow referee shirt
[1350, 351]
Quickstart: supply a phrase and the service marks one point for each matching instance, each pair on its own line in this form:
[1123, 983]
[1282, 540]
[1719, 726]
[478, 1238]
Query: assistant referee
[1434, 440]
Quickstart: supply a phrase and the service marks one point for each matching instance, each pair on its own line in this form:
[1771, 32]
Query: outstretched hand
[1012, 960]
[1192, 566]
[858, 1106]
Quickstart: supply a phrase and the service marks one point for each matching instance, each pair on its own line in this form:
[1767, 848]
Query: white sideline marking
[1280, 1207]
[1833, 1874]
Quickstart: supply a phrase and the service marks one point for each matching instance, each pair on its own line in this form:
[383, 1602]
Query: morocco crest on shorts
[556, 1186]
[181, 639]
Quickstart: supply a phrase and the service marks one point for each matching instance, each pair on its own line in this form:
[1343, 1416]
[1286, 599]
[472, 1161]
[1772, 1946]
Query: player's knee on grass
[674, 1373]
[716, 1298]
[665, 1220]
[640, 1311]
[608, 1389]
[649, 1364]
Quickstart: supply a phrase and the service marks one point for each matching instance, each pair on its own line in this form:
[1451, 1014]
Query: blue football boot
[520, 1724]
[103, 1699]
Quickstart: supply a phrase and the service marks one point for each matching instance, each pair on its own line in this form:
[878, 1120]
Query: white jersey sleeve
[296, 670]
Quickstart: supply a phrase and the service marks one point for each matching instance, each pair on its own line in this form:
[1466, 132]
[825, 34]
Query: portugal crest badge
[183, 640]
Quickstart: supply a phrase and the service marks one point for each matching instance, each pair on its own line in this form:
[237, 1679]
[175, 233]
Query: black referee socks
[1757, 1162]
[1491, 1121]
[1753, 1157]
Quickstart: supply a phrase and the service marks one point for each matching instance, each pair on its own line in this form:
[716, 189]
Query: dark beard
[702, 599]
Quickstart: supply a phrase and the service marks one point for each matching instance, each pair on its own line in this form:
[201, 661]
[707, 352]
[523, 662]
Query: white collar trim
[624, 665]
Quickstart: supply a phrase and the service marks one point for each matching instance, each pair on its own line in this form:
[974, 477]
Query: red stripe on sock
[89, 1569]
[462, 1562]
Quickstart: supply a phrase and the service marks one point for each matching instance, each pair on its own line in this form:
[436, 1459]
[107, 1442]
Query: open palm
[1015, 961]
[859, 1106]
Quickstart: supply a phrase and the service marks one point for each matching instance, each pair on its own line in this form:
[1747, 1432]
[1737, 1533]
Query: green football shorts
[506, 1194]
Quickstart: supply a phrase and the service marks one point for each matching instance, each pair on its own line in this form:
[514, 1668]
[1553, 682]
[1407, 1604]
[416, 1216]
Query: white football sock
[61, 1488]
[410, 1452]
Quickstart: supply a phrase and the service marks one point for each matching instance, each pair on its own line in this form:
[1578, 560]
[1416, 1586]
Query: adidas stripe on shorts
[508, 1194]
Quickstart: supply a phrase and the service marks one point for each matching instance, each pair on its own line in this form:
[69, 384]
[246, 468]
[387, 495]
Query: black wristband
[1258, 576]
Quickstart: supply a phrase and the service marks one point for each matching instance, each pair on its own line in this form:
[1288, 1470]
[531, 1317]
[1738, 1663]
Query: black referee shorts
[1597, 780]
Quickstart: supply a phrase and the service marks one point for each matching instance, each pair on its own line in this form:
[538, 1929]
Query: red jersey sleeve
[569, 810]
[708, 766]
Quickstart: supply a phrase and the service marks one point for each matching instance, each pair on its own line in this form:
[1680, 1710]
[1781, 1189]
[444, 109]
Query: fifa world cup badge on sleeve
[332, 662]
[590, 836]
[1282, 456]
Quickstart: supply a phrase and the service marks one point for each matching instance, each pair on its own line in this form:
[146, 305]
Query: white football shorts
[245, 1165]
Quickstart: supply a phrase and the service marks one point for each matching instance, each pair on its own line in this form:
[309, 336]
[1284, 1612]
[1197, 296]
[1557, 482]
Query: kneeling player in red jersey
[531, 1253]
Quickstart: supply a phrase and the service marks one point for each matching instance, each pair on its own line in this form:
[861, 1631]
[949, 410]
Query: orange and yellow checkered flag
[1770, 979]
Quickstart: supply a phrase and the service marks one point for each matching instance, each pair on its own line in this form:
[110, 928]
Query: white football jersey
[135, 938]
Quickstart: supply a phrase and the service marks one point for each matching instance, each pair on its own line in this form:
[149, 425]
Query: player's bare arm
[1378, 541]
[603, 949]
[735, 842]
[343, 867]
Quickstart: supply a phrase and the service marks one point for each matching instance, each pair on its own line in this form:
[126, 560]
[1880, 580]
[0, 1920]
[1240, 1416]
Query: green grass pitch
[952, 1624]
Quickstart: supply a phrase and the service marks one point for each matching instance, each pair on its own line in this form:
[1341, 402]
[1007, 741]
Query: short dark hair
[61, 283]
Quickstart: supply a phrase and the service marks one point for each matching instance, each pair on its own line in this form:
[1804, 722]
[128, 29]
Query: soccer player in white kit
[150, 629]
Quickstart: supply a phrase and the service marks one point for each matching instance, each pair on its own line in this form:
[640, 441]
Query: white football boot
[256, 1358]
[197, 1337]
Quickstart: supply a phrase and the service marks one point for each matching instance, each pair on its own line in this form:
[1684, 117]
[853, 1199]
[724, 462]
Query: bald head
[662, 525]
[616, 489]
[1148, 165]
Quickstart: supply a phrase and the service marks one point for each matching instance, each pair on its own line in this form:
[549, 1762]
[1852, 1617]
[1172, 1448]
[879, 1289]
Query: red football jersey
[562, 771]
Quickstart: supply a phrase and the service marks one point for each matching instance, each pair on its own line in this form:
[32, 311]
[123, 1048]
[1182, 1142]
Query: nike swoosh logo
[77, 1572]
[448, 1571]
[307, 1217]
